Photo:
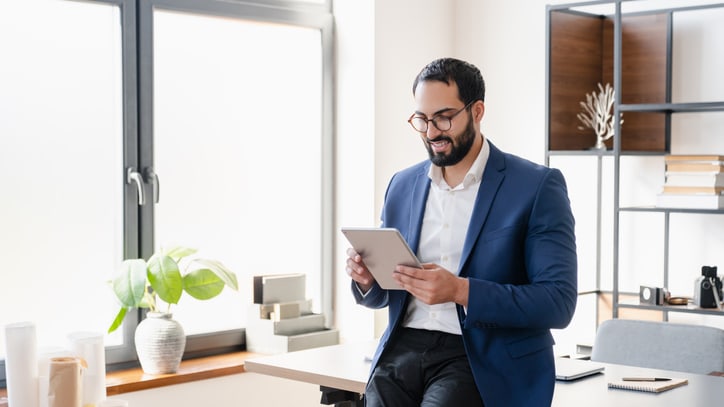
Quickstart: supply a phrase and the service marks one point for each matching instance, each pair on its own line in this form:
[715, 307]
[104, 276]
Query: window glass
[238, 151]
[61, 165]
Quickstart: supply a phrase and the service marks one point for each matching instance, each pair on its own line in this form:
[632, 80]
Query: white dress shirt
[444, 227]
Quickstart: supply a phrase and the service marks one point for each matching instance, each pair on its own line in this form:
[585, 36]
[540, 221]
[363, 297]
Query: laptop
[571, 369]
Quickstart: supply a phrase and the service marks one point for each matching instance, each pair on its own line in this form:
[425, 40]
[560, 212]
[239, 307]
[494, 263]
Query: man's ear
[478, 110]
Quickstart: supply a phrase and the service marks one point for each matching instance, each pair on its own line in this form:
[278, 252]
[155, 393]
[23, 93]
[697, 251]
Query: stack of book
[693, 181]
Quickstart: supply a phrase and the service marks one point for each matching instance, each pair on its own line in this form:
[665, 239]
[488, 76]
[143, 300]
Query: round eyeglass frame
[436, 120]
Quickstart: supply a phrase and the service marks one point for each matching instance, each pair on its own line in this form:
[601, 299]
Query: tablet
[382, 249]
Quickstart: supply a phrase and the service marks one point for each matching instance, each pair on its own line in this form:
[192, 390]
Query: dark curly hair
[467, 76]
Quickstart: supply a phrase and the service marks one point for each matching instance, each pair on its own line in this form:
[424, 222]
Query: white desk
[344, 367]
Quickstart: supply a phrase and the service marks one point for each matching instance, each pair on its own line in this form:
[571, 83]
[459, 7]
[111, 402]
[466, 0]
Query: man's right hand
[357, 270]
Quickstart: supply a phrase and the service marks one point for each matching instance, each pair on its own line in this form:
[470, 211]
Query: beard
[459, 149]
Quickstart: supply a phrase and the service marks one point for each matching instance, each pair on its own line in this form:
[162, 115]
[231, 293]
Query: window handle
[155, 184]
[134, 176]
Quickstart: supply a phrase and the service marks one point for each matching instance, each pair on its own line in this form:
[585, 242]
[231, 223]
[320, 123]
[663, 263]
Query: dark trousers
[423, 368]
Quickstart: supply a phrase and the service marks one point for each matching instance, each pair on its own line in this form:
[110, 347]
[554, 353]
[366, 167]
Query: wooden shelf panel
[575, 69]
[581, 57]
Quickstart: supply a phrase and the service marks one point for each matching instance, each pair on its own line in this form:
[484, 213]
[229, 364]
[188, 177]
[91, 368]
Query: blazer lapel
[492, 178]
[418, 201]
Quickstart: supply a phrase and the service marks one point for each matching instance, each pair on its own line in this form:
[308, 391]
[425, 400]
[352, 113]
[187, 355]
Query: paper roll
[65, 388]
[21, 364]
[90, 347]
[44, 357]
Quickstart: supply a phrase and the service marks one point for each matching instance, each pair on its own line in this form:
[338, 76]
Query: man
[495, 234]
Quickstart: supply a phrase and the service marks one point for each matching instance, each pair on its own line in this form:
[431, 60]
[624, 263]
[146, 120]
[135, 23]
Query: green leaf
[203, 284]
[179, 252]
[119, 320]
[226, 275]
[130, 283]
[165, 278]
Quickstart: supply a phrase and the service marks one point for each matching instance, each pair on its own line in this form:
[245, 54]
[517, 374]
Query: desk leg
[340, 398]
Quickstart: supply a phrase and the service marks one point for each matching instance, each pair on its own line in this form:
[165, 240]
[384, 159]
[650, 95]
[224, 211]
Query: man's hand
[433, 284]
[357, 270]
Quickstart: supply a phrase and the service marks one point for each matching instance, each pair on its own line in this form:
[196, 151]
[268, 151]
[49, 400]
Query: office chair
[660, 345]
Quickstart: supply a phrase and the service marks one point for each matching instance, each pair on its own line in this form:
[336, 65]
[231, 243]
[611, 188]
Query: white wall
[355, 164]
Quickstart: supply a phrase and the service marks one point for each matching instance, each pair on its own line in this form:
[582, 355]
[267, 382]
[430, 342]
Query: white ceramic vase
[160, 342]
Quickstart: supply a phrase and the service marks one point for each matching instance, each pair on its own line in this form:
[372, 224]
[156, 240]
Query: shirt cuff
[359, 290]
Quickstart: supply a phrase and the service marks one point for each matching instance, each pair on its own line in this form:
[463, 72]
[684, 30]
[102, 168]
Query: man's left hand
[432, 284]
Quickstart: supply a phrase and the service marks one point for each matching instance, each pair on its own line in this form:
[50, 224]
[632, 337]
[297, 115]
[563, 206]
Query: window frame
[137, 92]
[291, 13]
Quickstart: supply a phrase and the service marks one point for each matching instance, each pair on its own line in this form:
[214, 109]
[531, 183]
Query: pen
[645, 379]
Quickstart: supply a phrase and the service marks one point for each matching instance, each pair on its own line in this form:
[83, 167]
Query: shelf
[690, 308]
[632, 48]
[670, 210]
[606, 153]
[581, 152]
[673, 107]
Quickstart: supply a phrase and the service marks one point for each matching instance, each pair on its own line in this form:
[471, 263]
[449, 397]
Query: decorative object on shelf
[597, 114]
[653, 295]
[138, 284]
[678, 301]
[708, 288]
[281, 318]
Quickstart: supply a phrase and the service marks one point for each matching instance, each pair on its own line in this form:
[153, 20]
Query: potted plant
[159, 339]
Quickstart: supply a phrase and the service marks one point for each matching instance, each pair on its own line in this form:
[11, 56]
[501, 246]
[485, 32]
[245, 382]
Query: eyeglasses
[441, 122]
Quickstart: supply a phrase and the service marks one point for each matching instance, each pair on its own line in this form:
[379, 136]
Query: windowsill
[125, 381]
[129, 380]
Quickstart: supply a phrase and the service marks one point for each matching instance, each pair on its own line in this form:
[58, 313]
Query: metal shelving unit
[572, 70]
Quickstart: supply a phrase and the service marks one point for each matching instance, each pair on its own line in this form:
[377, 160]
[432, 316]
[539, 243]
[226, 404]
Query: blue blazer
[520, 258]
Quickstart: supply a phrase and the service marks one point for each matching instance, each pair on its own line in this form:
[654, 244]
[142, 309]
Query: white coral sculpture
[597, 114]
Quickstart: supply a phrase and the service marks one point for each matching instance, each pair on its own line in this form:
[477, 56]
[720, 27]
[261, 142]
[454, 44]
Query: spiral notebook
[647, 386]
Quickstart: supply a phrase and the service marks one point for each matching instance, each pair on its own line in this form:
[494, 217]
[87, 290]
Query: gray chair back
[660, 345]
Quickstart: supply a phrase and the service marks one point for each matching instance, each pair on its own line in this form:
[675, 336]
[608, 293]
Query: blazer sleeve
[376, 297]
[548, 299]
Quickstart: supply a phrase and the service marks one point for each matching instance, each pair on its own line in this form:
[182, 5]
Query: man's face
[436, 99]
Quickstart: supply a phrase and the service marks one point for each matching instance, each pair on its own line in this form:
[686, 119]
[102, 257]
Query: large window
[238, 148]
[223, 108]
[61, 165]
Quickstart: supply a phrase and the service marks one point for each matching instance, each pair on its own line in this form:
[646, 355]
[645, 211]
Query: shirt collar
[474, 174]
